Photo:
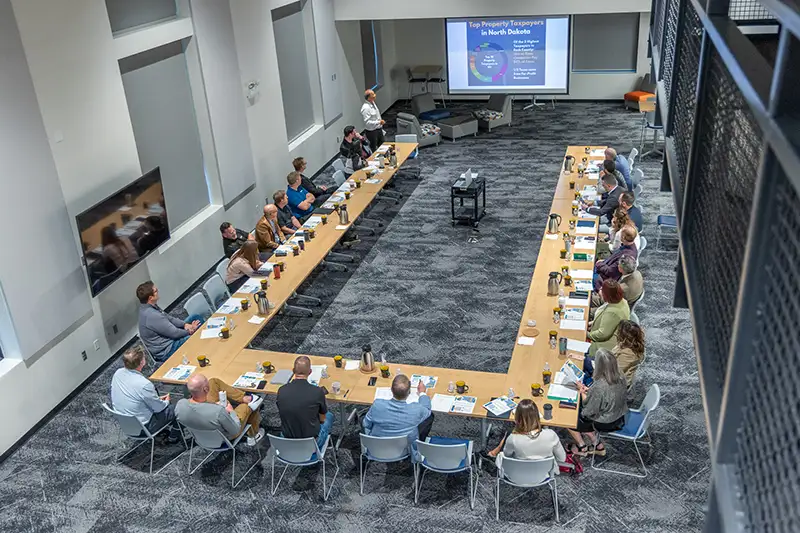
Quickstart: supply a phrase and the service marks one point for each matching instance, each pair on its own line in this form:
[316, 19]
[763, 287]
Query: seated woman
[621, 220]
[529, 440]
[118, 250]
[244, 263]
[629, 350]
[603, 329]
[603, 405]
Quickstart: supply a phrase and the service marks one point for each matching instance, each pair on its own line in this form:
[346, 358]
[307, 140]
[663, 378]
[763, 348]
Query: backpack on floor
[575, 461]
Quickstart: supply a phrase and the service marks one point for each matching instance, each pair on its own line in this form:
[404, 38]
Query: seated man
[233, 238]
[302, 406]
[288, 222]
[205, 412]
[609, 204]
[630, 280]
[320, 193]
[389, 418]
[133, 394]
[300, 200]
[354, 150]
[609, 268]
[268, 230]
[161, 333]
[626, 200]
[621, 163]
[609, 167]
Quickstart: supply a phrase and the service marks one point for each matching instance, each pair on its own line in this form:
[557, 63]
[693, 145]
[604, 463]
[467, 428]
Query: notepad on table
[374, 181]
[351, 364]
[230, 306]
[583, 285]
[216, 322]
[209, 333]
[249, 380]
[250, 286]
[180, 372]
[341, 227]
[573, 324]
[581, 274]
[255, 319]
[383, 393]
[583, 302]
[442, 402]
[578, 346]
[266, 268]
[551, 236]
[583, 230]
[525, 341]
[575, 313]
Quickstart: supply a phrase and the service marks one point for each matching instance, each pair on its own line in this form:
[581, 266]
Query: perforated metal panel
[769, 435]
[722, 184]
[686, 88]
[670, 34]
[658, 21]
[748, 10]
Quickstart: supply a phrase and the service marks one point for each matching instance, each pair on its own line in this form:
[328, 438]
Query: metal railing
[732, 154]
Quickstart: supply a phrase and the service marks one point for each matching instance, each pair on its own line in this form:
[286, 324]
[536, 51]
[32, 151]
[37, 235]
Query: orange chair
[643, 98]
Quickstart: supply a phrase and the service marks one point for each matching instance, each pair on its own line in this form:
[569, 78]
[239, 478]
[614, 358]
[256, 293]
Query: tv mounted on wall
[121, 230]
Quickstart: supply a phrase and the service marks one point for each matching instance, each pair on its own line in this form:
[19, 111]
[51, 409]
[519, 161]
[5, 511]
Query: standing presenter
[373, 122]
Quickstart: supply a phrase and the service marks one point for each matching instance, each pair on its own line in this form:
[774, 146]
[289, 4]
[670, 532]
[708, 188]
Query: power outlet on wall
[96, 344]
[83, 355]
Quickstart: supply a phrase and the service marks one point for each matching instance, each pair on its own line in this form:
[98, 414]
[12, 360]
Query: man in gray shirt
[205, 412]
[161, 333]
[133, 394]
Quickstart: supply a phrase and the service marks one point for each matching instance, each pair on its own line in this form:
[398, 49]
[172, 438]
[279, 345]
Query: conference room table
[230, 358]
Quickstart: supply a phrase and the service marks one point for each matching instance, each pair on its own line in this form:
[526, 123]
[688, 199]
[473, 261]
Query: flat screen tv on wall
[121, 230]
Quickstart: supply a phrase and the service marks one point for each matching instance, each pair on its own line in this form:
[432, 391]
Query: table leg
[343, 423]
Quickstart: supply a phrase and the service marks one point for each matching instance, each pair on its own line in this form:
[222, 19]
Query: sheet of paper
[180, 372]
[429, 381]
[374, 181]
[351, 364]
[585, 231]
[316, 374]
[525, 341]
[337, 197]
[597, 152]
[500, 406]
[249, 380]
[346, 186]
[572, 373]
[312, 222]
[341, 227]
[255, 319]
[464, 404]
[575, 313]
[583, 285]
[583, 302]
[578, 346]
[124, 208]
[551, 236]
[585, 245]
[250, 286]
[581, 274]
[328, 205]
[583, 215]
[383, 393]
[285, 248]
[216, 322]
[209, 333]
[230, 307]
[573, 324]
[562, 392]
[266, 268]
[442, 402]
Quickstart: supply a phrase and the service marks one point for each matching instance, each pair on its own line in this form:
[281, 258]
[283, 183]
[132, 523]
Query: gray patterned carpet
[419, 293]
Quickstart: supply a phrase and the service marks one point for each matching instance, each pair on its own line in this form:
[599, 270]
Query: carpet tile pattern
[425, 292]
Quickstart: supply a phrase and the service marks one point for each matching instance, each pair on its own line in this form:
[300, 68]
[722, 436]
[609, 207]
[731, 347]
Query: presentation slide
[526, 55]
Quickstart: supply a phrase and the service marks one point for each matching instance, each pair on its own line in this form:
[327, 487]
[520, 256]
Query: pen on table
[345, 394]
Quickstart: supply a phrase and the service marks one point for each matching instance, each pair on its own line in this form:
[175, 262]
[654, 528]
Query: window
[373, 55]
[293, 68]
[161, 107]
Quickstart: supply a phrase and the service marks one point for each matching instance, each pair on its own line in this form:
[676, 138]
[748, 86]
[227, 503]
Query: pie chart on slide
[488, 62]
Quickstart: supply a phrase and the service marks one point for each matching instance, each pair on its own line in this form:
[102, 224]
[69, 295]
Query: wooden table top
[231, 358]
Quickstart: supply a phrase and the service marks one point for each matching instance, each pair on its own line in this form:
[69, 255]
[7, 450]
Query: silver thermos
[262, 302]
[344, 217]
[553, 223]
[553, 283]
[367, 359]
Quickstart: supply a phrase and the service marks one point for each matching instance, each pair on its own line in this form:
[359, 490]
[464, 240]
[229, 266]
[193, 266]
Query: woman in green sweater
[603, 329]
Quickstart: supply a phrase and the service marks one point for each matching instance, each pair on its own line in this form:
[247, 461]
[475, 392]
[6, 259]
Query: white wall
[422, 42]
[76, 78]
[415, 9]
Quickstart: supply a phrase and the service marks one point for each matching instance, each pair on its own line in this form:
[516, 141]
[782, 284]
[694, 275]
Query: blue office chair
[665, 221]
[649, 124]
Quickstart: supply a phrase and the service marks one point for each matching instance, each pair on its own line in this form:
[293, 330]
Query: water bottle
[398, 372]
[511, 393]
[324, 372]
[223, 398]
[232, 325]
[451, 387]
[185, 360]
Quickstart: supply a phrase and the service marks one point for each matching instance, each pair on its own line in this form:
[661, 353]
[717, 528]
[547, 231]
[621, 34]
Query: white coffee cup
[336, 387]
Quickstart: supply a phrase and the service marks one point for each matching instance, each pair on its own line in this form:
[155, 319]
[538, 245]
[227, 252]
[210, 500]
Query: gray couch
[487, 117]
[426, 135]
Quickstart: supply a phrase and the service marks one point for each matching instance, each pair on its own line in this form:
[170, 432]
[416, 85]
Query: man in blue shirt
[621, 162]
[300, 200]
[626, 200]
[390, 418]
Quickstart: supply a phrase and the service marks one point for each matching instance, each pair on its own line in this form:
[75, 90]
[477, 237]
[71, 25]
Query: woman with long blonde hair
[244, 263]
[529, 440]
